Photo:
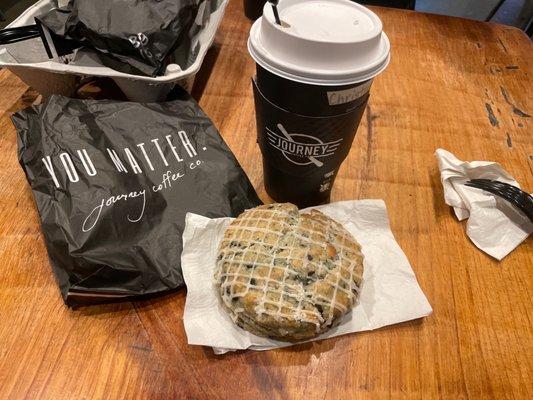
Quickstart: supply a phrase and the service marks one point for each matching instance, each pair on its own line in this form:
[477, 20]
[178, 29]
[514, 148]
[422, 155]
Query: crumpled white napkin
[390, 292]
[494, 225]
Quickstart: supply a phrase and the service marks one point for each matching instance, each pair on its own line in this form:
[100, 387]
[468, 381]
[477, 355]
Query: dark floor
[512, 12]
[11, 9]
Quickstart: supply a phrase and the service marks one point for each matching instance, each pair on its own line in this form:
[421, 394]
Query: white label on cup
[345, 96]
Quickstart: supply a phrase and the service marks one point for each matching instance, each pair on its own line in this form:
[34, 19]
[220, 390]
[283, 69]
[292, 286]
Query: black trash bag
[113, 182]
[132, 36]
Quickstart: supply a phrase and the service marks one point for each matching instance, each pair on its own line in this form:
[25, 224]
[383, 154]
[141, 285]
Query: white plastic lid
[321, 42]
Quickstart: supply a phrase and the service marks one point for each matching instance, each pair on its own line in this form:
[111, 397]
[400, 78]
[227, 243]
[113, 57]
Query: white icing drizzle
[281, 298]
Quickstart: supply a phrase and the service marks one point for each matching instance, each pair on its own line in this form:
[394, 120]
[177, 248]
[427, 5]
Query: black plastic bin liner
[132, 36]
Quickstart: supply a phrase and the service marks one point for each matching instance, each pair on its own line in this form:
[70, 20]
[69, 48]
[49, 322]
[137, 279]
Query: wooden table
[460, 85]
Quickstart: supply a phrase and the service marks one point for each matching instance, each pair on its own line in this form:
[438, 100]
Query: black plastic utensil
[18, 34]
[274, 4]
[520, 199]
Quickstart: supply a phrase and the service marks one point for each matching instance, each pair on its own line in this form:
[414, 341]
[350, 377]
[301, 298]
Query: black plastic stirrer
[275, 9]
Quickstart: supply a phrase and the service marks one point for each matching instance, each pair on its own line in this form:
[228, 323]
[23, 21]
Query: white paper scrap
[494, 225]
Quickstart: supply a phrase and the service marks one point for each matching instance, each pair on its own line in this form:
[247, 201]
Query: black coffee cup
[305, 132]
[253, 9]
[308, 108]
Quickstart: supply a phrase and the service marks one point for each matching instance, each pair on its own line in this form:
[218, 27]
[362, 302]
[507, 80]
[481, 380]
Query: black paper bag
[113, 182]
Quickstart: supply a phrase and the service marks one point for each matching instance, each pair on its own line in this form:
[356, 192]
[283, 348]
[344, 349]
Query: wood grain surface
[461, 85]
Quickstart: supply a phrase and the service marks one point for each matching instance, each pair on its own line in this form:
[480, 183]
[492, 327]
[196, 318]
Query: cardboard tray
[54, 77]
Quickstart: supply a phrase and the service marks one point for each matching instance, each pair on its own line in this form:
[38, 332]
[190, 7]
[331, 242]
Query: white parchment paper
[390, 292]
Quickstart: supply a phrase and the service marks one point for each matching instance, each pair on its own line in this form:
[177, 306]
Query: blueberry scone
[285, 275]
